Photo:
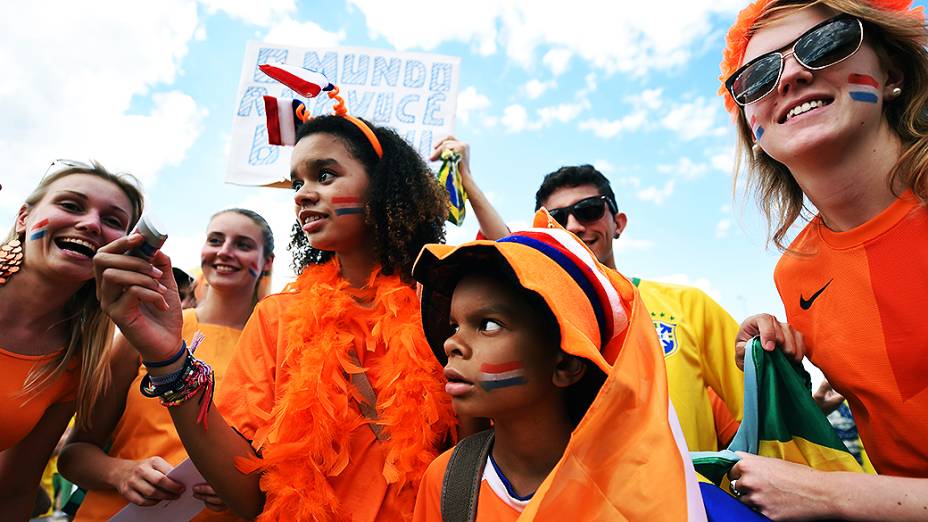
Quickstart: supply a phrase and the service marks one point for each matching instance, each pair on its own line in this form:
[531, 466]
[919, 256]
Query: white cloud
[288, 31]
[535, 88]
[469, 100]
[617, 37]
[515, 118]
[261, 13]
[603, 128]
[68, 92]
[650, 99]
[562, 113]
[701, 283]
[694, 119]
[657, 195]
[722, 228]
[604, 166]
[628, 182]
[557, 60]
[724, 161]
[684, 168]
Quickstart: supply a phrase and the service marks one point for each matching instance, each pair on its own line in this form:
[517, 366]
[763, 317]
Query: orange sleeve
[246, 394]
[428, 501]
[726, 425]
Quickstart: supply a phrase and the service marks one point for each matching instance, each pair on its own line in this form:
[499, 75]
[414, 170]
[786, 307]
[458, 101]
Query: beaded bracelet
[179, 387]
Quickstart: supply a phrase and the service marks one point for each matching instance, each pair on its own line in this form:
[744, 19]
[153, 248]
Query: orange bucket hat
[590, 301]
[742, 30]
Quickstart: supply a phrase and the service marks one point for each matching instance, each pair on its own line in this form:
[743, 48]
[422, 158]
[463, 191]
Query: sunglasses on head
[60, 165]
[826, 44]
[586, 211]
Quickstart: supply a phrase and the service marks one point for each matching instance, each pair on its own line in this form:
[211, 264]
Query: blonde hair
[898, 38]
[91, 330]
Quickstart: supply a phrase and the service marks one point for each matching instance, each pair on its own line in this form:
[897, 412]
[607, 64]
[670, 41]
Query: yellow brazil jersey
[698, 338]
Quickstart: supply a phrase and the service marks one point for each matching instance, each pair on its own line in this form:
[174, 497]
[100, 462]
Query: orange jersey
[288, 391]
[146, 429]
[858, 299]
[494, 505]
[20, 415]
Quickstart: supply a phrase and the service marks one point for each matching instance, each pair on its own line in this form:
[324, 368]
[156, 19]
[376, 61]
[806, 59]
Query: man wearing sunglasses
[706, 387]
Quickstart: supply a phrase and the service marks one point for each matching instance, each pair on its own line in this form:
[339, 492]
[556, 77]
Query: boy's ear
[568, 370]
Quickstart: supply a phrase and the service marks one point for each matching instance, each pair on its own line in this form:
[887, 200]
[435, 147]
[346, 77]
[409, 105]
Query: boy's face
[500, 356]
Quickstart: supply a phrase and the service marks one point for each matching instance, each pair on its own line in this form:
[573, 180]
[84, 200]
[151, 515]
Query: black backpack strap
[461, 484]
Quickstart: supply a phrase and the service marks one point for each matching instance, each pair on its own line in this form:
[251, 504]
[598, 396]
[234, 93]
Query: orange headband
[341, 110]
[740, 33]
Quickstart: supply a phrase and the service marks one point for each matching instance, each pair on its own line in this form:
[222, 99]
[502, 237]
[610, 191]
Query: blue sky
[149, 88]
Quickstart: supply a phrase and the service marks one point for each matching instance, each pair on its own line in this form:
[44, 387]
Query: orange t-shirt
[494, 503]
[247, 400]
[858, 299]
[21, 414]
[146, 429]
[287, 391]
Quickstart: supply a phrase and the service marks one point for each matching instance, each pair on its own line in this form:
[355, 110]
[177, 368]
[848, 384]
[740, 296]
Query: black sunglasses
[826, 44]
[587, 210]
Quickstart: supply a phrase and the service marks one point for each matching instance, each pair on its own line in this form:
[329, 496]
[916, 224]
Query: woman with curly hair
[332, 407]
[831, 100]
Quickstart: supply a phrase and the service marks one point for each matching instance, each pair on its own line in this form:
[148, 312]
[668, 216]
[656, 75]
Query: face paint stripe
[758, 133]
[499, 368]
[867, 97]
[37, 235]
[863, 79]
[40, 224]
[500, 376]
[349, 210]
[345, 199]
[253, 270]
[494, 385]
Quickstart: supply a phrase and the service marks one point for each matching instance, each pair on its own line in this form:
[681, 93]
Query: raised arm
[491, 223]
[83, 461]
[142, 300]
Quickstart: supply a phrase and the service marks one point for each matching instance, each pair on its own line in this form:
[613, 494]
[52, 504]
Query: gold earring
[11, 258]
[896, 92]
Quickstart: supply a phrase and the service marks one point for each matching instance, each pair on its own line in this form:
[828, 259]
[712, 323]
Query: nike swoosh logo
[805, 304]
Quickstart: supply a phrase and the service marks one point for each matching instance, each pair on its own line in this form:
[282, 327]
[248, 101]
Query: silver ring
[734, 488]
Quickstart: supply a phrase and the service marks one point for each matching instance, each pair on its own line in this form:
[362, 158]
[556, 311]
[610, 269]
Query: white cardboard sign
[414, 93]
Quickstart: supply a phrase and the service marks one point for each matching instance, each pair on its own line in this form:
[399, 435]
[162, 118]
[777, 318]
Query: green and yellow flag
[781, 420]
[449, 176]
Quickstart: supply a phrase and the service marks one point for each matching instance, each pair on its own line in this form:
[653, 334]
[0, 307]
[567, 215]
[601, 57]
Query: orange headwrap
[740, 32]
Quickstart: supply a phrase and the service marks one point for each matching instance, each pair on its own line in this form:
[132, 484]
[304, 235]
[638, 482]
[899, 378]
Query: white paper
[184, 507]
[413, 93]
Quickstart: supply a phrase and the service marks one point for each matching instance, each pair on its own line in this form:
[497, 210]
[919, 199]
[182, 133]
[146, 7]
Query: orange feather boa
[315, 415]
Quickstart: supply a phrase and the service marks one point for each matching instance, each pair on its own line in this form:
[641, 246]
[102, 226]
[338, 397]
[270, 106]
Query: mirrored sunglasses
[826, 44]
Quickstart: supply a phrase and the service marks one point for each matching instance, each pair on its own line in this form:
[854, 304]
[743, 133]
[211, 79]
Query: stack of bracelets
[187, 382]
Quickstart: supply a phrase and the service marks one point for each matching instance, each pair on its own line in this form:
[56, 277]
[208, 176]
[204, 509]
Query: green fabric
[778, 405]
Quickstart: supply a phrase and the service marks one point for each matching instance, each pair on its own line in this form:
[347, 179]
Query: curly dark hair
[405, 209]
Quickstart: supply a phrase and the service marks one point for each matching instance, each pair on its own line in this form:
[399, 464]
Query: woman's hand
[145, 482]
[772, 333]
[141, 297]
[778, 489]
[455, 145]
[827, 398]
[208, 495]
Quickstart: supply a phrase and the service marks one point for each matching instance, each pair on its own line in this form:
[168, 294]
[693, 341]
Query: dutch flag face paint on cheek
[496, 376]
[864, 88]
[347, 205]
[38, 230]
[756, 129]
[253, 270]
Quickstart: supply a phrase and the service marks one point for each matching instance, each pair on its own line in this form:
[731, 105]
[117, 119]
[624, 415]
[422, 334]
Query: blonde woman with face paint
[830, 99]
[54, 338]
[142, 444]
[333, 406]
